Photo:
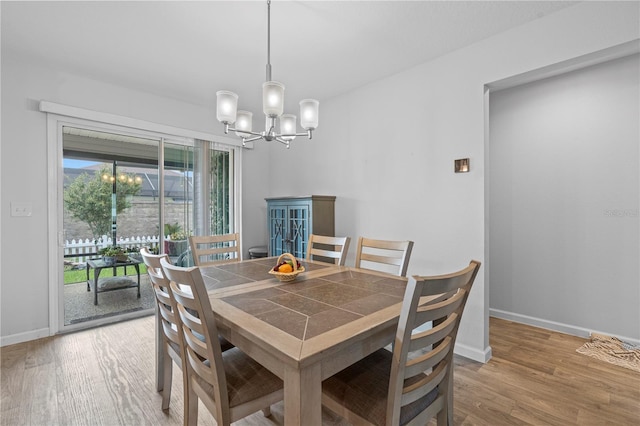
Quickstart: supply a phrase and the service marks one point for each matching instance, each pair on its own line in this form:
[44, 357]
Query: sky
[77, 164]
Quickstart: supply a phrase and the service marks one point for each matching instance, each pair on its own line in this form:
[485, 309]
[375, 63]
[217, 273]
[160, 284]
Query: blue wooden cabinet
[290, 220]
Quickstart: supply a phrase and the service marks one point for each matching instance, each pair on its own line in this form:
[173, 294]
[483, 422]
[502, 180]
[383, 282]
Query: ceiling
[189, 50]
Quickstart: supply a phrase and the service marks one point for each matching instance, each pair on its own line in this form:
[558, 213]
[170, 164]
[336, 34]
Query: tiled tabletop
[306, 330]
[307, 308]
[231, 274]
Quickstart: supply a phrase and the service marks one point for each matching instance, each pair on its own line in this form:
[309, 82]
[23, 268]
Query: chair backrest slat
[440, 309]
[421, 388]
[384, 255]
[429, 360]
[215, 249]
[433, 335]
[329, 247]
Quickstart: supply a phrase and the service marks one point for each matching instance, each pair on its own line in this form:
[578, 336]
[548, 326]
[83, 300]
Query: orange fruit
[285, 268]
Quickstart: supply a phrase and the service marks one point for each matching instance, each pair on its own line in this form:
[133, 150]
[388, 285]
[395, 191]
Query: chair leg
[266, 411]
[168, 374]
[185, 393]
[443, 417]
[160, 351]
[450, 396]
[191, 415]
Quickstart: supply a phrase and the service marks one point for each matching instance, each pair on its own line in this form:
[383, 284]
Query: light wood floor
[104, 376]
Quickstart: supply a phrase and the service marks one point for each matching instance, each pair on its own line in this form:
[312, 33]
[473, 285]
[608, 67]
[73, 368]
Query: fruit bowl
[289, 275]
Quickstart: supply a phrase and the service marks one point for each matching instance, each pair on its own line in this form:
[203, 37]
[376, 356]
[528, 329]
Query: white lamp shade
[244, 121]
[288, 126]
[309, 113]
[272, 98]
[227, 105]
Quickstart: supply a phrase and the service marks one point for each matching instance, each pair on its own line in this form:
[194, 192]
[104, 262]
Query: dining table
[305, 330]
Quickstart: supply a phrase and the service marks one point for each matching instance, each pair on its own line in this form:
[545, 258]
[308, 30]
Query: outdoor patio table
[98, 265]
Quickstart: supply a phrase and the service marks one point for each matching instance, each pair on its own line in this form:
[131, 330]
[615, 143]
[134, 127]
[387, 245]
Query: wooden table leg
[303, 396]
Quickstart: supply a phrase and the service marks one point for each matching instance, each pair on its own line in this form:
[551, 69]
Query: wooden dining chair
[415, 382]
[230, 384]
[172, 345]
[334, 248]
[215, 249]
[384, 255]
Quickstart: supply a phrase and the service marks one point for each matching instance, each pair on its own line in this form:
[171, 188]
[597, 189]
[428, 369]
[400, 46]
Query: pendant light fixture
[272, 106]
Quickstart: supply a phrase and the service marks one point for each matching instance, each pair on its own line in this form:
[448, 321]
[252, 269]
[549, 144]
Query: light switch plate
[21, 209]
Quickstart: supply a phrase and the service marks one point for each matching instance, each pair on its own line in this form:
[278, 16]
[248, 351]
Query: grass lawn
[80, 275]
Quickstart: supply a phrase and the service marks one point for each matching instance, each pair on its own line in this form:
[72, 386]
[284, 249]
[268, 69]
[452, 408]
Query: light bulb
[272, 98]
[244, 123]
[227, 105]
[309, 114]
[288, 126]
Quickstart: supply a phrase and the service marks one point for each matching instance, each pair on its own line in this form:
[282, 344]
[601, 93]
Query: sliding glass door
[215, 189]
[199, 195]
[222, 188]
[133, 192]
[178, 201]
[110, 200]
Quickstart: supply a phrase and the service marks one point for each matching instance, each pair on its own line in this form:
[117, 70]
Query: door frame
[58, 116]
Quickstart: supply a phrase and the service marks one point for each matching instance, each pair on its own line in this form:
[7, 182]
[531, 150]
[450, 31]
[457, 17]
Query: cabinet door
[278, 229]
[298, 229]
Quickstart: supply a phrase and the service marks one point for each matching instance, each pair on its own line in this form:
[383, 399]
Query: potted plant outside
[176, 242]
[134, 253]
[113, 254]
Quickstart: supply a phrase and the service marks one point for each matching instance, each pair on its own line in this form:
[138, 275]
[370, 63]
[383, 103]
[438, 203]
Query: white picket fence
[80, 249]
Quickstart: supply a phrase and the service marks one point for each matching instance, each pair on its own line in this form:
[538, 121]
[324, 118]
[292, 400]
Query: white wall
[565, 198]
[24, 282]
[389, 183]
[387, 150]
[255, 186]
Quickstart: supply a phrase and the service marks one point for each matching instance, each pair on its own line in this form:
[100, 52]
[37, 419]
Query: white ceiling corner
[189, 50]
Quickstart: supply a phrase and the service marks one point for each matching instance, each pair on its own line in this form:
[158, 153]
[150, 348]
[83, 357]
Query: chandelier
[122, 178]
[272, 105]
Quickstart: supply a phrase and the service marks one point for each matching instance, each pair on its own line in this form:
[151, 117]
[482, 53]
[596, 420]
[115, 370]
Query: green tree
[88, 198]
[219, 209]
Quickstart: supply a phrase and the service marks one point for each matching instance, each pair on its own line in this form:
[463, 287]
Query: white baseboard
[472, 353]
[555, 326]
[24, 337]
[462, 349]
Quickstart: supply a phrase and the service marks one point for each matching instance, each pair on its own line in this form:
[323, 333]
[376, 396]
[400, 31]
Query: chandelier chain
[268, 40]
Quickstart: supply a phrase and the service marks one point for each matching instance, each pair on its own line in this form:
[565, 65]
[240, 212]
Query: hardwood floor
[536, 377]
[104, 376]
